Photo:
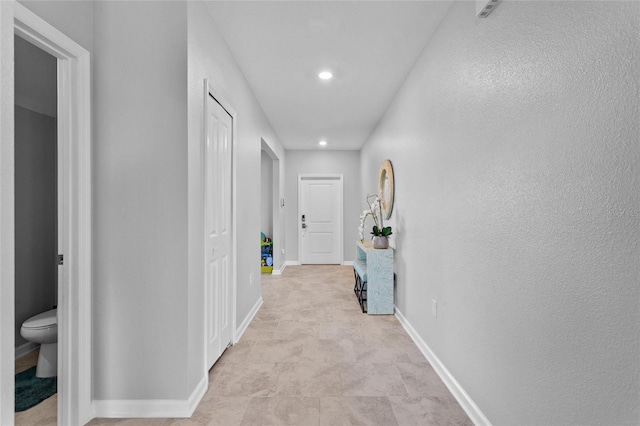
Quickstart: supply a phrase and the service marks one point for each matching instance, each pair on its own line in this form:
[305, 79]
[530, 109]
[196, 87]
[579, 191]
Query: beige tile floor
[310, 357]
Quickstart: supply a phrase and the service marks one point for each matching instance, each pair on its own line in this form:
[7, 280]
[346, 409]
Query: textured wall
[72, 17]
[515, 147]
[140, 200]
[345, 163]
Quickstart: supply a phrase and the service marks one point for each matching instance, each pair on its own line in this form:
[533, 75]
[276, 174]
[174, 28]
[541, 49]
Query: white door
[218, 279]
[320, 219]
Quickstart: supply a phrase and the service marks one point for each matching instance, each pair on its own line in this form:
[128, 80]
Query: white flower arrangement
[374, 211]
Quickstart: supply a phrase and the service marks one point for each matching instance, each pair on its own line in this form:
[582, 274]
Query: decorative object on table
[31, 390]
[386, 188]
[380, 232]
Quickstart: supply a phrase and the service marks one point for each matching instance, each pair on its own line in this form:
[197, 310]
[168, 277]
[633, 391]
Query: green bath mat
[31, 390]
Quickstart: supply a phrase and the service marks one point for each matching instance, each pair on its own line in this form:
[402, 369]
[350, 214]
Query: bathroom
[36, 201]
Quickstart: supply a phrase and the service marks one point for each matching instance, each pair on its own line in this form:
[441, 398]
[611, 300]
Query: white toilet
[43, 329]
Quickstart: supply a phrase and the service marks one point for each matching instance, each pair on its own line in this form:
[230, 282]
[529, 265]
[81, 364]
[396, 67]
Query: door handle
[304, 226]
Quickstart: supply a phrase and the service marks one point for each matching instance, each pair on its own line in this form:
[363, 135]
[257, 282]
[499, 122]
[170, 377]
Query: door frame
[277, 203]
[211, 90]
[75, 236]
[338, 177]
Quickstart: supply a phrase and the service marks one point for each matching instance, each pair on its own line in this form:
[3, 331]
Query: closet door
[218, 230]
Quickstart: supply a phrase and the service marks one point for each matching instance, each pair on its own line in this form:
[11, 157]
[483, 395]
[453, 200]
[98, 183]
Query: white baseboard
[247, 320]
[279, 271]
[465, 401]
[26, 348]
[292, 263]
[198, 393]
[348, 263]
[150, 408]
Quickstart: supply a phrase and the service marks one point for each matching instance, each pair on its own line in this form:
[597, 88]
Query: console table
[373, 270]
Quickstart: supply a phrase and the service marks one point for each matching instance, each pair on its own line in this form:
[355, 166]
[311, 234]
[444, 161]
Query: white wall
[210, 58]
[266, 194]
[140, 200]
[72, 17]
[515, 147]
[324, 162]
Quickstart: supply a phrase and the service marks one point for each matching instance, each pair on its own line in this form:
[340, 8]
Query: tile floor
[310, 357]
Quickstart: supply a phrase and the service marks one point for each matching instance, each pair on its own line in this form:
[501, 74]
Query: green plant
[384, 232]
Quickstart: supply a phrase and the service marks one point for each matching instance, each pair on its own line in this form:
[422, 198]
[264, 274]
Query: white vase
[380, 242]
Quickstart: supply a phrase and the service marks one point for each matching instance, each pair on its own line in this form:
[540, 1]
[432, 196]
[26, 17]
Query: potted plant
[380, 233]
[380, 238]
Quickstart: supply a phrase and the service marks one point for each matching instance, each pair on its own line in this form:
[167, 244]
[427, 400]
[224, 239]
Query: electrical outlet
[282, 251]
[250, 279]
[434, 308]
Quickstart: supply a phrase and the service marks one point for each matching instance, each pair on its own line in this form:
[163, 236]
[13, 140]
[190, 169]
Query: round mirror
[385, 188]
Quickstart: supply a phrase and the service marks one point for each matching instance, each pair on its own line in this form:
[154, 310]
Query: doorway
[36, 213]
[36, 186]
[271, 204]
[219, 226]
[74, 217]
[266, 212]
[320, 219]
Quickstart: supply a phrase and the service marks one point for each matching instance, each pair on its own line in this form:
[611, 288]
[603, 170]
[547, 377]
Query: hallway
[310, 357]
[516, 218]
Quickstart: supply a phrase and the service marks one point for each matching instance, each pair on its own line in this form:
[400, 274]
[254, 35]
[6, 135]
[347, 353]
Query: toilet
[43, 329]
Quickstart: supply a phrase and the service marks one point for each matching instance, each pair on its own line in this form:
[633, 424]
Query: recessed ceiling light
[322, 143]
[325, 75]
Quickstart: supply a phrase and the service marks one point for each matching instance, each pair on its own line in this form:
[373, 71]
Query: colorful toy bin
[266, 257]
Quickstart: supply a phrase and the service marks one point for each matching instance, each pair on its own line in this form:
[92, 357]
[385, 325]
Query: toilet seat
[42, 321]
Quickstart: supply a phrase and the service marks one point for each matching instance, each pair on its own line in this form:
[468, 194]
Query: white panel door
[218, 279]
[320, 220]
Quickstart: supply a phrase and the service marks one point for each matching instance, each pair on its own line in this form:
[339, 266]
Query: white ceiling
[281, 46]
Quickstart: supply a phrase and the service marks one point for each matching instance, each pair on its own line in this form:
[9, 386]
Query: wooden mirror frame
[386, 188]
